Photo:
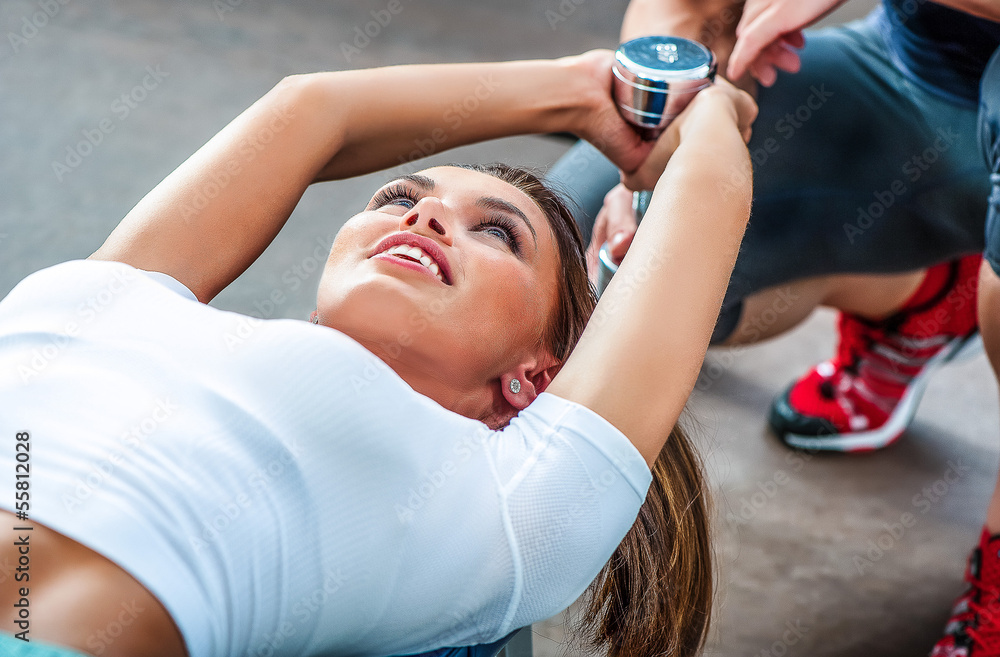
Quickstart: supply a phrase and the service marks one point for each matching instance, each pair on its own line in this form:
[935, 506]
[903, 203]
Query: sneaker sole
[866, 441]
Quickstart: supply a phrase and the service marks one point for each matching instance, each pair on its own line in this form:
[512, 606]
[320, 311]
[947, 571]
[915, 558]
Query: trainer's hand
[769, 34]
[739, 106]
[616, 225]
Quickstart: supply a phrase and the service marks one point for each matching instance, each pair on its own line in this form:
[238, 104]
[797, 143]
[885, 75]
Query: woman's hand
[616, 225]
[769, 34]
[598, 120]
[737, 105]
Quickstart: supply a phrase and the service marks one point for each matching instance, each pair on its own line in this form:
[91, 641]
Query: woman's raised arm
[218, 211]
[638, 358]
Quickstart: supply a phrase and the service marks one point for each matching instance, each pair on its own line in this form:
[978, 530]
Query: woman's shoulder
[76, 277]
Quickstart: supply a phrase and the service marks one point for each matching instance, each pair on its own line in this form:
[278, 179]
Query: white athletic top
[281, 490]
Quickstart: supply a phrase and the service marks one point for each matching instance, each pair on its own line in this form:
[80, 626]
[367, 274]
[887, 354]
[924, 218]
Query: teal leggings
[11, 647]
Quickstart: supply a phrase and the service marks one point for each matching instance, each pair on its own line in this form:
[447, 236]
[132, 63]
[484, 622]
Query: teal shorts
[11, 647]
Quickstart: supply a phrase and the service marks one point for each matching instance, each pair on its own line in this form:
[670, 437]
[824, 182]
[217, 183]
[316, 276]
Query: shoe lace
[983, 628]
[856, 339]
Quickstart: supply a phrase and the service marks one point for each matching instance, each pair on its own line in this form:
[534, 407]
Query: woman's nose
[428, 216]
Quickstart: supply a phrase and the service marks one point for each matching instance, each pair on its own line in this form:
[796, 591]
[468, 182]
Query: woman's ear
[523, 383]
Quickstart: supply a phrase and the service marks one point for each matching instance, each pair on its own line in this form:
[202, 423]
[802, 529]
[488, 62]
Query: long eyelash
[395, 192]
[508, 224]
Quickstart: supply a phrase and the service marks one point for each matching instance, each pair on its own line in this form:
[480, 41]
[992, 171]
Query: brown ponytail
[654, 597]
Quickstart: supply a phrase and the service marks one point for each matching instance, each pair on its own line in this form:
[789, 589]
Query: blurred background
[101, 100]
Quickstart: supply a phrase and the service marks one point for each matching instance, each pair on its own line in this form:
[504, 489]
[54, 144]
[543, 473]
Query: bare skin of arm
[639, 357]
[217, 212]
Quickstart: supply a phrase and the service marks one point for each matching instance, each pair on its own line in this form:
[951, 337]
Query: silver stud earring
[515, 386]
[315, 318]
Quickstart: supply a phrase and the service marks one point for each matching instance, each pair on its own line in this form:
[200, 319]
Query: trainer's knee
[989, 313]
[989, 113]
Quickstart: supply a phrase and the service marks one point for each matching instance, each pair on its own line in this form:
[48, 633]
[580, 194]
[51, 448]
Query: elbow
[295, 92]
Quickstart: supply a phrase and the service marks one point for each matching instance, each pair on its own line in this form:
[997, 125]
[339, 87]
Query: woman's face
[449, 275]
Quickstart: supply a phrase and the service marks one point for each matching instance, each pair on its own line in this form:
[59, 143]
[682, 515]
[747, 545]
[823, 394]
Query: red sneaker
[865, 396]
[974, 627]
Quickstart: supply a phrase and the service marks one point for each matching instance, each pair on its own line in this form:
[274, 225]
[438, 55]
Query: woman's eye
[401, 200]
[394, 196]
[498, 232]
[502, 229]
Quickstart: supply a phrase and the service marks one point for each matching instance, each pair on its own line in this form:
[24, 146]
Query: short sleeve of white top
[280, 489]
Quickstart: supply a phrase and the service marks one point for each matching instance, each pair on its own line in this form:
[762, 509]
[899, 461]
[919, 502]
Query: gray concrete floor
[788, 554]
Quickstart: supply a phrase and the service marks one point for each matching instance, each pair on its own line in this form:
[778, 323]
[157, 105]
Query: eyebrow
[500, 205]
[423, 182]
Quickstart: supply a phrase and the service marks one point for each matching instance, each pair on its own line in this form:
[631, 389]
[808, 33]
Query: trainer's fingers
[751, 10]
[795, 39]
[781, 55]
[758, 35]
[763, 72]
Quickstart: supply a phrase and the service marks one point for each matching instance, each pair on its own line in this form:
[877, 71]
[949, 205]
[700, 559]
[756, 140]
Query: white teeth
[417, 254]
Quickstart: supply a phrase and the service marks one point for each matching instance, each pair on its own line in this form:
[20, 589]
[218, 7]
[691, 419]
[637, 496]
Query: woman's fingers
[615, 224]
[619, 244]
[621, 222]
